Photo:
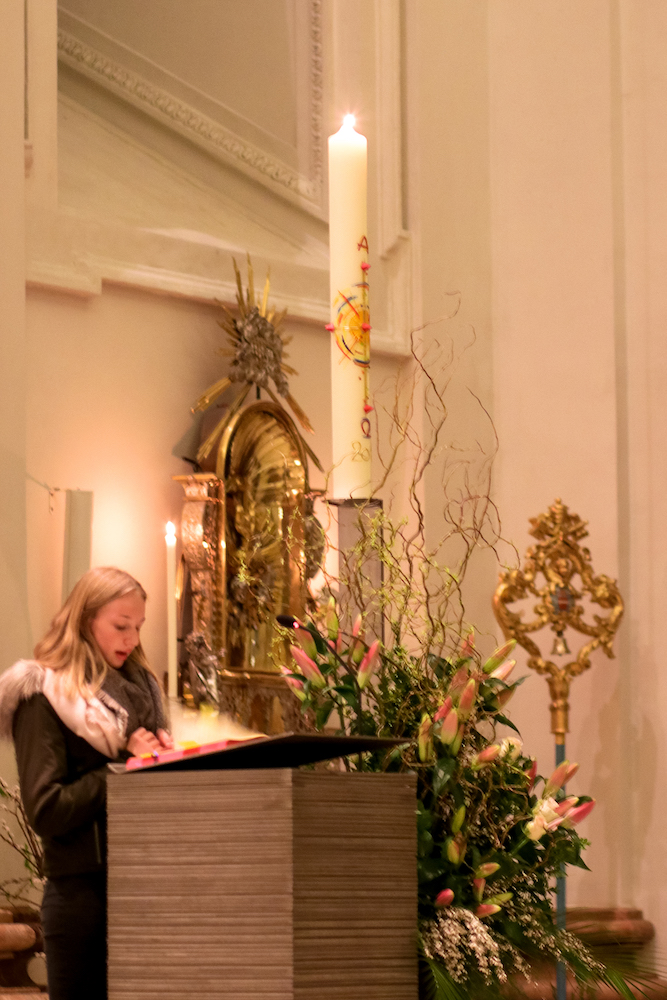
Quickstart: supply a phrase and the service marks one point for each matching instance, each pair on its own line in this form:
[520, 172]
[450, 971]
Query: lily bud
[498, 656]
[486, 910]
[369, 664]
[457, 819]
[459, 681]
[449, 728]
[295, 684]
[467, 699]
[443, 711]
[424, 741]
[560, 776]
[485, 756]
[502, 672]
[455, 849]
[356, 628]
[458, 739]
[531, 774]
[478, 888]
[358, 651]
[445, 898]
[500, 898]
[331, 619]
[578, 813]
[487, 869]
[308, 667]
[305, 639]
[468, 646]
[564, 807]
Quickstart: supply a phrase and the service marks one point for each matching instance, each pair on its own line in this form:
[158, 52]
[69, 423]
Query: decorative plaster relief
[305, 187]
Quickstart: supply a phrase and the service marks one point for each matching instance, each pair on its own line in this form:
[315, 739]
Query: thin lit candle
[172, 639]
[350, 324]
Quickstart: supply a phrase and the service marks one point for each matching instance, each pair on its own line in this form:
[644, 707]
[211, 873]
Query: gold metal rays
[549, 573]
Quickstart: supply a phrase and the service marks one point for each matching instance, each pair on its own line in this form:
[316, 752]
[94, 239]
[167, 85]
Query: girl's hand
[142, 741]
[166, 742]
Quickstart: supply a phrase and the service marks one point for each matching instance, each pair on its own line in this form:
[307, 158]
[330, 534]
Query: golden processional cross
[557, 571]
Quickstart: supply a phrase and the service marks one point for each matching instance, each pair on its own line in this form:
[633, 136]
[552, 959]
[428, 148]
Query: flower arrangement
[492, 834]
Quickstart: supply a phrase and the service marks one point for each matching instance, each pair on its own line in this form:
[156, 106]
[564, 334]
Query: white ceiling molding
[141, 83]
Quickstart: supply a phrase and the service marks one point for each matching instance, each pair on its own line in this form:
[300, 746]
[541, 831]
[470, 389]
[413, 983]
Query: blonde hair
[69, 644]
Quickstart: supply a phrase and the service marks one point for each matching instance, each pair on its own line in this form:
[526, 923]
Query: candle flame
[171, 530]
[349, 121]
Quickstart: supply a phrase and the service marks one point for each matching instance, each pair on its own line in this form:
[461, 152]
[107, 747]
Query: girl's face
[116, 627]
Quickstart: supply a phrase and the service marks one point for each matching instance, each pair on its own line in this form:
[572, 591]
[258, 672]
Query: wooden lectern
[262, 884]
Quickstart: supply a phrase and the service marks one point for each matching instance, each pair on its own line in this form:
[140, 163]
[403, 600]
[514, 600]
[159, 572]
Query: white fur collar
[97, 719]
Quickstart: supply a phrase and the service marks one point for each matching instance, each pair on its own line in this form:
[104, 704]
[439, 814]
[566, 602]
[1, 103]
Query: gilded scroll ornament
[558, 572]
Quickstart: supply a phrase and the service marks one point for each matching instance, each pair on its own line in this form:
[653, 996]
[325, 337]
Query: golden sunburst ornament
[257, 347]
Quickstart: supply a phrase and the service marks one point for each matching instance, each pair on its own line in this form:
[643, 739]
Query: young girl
[88, 698]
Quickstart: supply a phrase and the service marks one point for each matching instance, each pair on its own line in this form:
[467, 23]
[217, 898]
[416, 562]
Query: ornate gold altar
[558, 559]
[250, 538]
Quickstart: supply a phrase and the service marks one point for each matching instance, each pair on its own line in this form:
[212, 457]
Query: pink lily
[369, 664]
[536, 828]
[295, 684]
[468, 646]
[443, 710]
[498, 656]
[305, 639]
[445, 898]
[449, 727]
[502, 672]
[356, 628]
[478, 888]
[308, 667]
[485, 756]
[459, 681]
[564, 807]
[467, 699]
[563, 773]
[486, 910]
[578, 813]
[455, 848]
[531, 774]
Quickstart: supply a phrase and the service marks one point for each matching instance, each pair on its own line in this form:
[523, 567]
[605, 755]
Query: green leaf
[442, 772]
[322, 714]
[504, 721]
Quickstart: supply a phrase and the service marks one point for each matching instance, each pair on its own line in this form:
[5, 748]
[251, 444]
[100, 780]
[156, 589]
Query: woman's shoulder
[19, 683]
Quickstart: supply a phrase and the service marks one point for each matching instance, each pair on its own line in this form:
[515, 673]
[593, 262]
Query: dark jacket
[63, 787]
[61, 775]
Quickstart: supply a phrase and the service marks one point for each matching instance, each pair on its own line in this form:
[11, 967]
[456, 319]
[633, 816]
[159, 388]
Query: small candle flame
[349, 121]
[170, 536]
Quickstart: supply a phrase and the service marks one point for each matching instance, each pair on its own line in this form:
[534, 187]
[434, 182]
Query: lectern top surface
[285, 750]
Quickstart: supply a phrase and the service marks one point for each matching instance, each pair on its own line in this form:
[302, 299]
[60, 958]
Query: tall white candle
[350, 322]
[172, 638]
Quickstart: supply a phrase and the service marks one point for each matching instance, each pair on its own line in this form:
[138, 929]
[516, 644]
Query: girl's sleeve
[54, 805]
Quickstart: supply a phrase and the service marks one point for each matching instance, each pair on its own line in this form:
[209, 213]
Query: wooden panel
[200, 886]
[262, 885]
[355, 887]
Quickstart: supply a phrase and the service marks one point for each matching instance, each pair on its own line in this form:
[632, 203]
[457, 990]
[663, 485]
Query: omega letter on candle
[350, 322]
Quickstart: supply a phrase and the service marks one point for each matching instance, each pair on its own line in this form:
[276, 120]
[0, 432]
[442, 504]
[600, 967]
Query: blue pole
[561, 980]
